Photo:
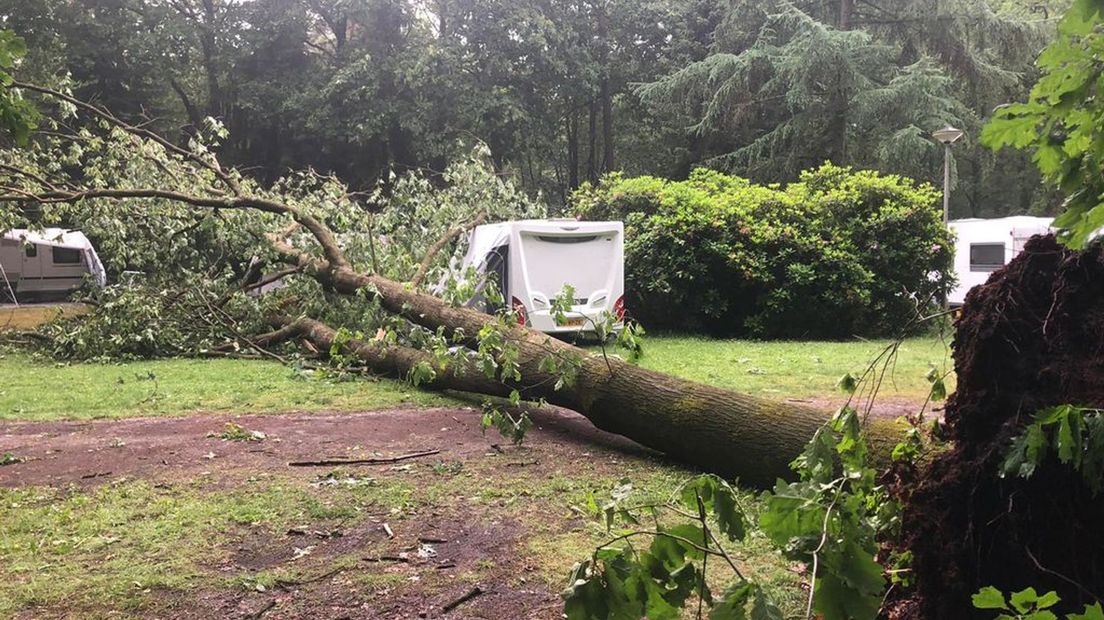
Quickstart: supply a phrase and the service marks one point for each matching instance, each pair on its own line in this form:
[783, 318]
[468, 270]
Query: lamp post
[948, 136]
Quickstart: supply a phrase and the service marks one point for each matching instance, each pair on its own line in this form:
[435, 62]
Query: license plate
[574, 322]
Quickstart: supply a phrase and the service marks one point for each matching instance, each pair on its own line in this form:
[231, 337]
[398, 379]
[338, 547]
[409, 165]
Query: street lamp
[948, 136]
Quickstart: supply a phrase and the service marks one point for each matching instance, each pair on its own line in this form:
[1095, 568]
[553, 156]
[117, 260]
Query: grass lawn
[794, 369]
[33, 389]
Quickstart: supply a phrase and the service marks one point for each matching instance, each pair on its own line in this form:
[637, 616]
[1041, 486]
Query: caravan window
[986, 256]
[495, 265]
[66, 256]
[32, 251]
[579, 239]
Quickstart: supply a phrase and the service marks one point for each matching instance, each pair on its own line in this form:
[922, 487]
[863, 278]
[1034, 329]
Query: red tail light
[619, 308]
[519, 309]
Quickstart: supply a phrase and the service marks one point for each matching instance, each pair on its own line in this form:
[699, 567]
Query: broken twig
[469, 595]
[373, 461]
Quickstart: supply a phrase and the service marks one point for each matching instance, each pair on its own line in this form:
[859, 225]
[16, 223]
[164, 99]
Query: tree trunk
[608, 162]
[605, 94]
[592, 142]
[572, 124]
[722, 431]
[846, 10]
[215, 98]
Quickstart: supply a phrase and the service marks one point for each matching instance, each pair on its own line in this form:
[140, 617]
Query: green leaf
[1012, 126]
[763, 608]
[938, 390]
[733, 603]
[847, 384]
[818, 460]
[989, 598]
[1068, 438]
[1024, 600]
[1050, 599]
[835, 600]
[1092, 612]
[719, 500]
[1080, 17]
[791, 512]
[585, 597]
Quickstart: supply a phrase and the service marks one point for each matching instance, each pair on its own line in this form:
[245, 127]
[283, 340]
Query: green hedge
[839, 253]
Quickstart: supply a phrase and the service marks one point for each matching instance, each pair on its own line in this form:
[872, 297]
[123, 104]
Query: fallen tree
[722, 431]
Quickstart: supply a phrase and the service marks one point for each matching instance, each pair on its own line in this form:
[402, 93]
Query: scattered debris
[237, 432]
[387, 558]
[10, 459]
[449, 468]
[322, 534]
[371, 461]
[387, 528]
[98, 474]
[426, 552]
[299, 552]
[262, 611]
[337, 478]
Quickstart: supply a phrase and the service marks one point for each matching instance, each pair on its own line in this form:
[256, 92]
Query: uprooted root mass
[1032, 337]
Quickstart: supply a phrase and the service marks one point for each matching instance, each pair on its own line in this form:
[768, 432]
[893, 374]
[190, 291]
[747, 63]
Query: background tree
[562, 92]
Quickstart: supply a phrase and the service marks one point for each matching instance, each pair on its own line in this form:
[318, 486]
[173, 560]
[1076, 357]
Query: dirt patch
[179, 448]
[30, 316]
[1032, 337]
[428, 565]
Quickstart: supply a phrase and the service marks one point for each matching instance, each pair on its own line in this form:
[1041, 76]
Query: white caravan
[534, 259]
[983, 246]
[46, 264]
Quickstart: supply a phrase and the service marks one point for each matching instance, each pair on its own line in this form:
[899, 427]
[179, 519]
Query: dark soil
[1030, 338]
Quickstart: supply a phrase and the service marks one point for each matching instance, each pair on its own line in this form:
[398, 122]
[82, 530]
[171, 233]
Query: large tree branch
[393, 360]
[439, 245]
[321, 232]
[209, 164]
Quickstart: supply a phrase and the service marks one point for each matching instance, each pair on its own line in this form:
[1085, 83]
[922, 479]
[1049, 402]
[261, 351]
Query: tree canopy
[561, 92]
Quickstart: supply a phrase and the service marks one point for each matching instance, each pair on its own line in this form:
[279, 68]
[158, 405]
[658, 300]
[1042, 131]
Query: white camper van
[46, 264]
[983, 246]
[533, 260]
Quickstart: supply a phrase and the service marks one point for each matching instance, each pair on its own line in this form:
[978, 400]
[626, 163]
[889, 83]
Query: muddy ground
[455, 560]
